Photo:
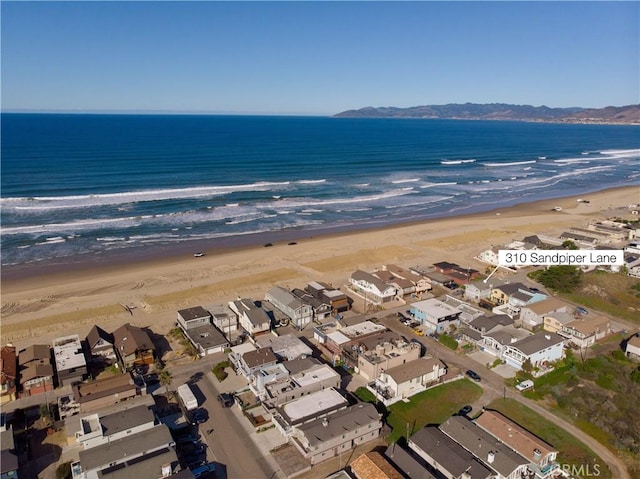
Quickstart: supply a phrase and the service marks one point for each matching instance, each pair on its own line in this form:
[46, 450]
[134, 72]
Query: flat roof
[196, 312]
[126, 419]
[436, 308]
[68, 353]
[319, 373]
[313, 405]
[146, 466]
[207, 336]
[338, 338]
[360, 329]
[326, 428]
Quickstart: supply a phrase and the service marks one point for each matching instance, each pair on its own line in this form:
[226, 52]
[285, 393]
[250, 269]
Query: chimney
[491, 457]
[166, 470]
[325, 422]
[547, 337]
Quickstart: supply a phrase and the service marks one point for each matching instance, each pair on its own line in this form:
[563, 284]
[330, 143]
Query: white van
[524, 385]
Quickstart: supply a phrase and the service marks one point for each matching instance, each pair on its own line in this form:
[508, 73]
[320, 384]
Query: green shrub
[63, 471]
[448, 341]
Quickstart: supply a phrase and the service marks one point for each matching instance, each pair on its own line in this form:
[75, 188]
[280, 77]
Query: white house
[371, 288]
[435, 315]
[408, 379]
[540, 349]
[477, 291]
[633, 348]
[585, 332]
[252, 318]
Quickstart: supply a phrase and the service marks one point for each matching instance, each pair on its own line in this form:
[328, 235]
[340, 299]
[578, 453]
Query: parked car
[465, 410]
[200, 416]
[524, 385]
[473, 375]
[418, 332]
[226, 399]
[203, 470]
[581, 310]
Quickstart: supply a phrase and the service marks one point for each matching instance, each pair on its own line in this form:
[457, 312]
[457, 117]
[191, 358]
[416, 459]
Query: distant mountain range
[501, 111]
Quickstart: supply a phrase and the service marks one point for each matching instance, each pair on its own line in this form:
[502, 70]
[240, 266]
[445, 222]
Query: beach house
[133, 346]
[371, 288]
[299, 313]
[436, 316]
[253, 319]
[8, 373]
[407, 379]
[35, 369]
[540, 349]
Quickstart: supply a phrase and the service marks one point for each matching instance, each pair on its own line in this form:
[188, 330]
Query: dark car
[225, 399]
[473, 375]
[200, 416]
[465, 410]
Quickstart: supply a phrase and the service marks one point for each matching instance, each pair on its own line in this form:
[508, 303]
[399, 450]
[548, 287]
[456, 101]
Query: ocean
[80, 187]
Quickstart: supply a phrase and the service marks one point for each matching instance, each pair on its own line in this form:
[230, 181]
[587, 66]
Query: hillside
[501, 111]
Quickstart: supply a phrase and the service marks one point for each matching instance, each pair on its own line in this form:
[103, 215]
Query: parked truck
[187, 397]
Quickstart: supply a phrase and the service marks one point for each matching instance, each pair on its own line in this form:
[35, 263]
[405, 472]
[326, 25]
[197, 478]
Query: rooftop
[287, 345]
[516, 437]
[83, 392]
[546, 306]
[258, 357]
[404, 460]
[413, 369]
[197, 312]
[362, 329]
[313, 405]
[207, 336]
[436, 308]
[450, 455]
[373, 465]
[126, 419]
[68, 353]
[130, 446]
[483, 445]
[537, 342]
[324, 429]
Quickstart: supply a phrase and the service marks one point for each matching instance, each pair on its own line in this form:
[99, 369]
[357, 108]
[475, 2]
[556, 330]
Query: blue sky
[316, 58]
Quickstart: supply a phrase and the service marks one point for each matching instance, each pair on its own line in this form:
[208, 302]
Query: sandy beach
[38, 307]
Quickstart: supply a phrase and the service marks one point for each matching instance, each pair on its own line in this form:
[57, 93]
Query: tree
[165, 377]
[569, 245]
[563, 279]
[63, 471]
[527, 367]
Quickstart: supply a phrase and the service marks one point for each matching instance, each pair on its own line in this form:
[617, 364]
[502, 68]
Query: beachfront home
[586, 331]
[403, 286]
[341, 431]
[196, 325]
[632, 348]
[405, 380]
[333, 338]
[8, 455]
[133, 346]
[436, 316]
[100, 345]
[252, 318]
[224, 318]
[532, 315]
[8, 373]
[540, 349]
[298, 312]
[541, 455]
[420, 284]
[68, 354]
[371, 288]
[35, 370]
[336, 299]
[321, 308]
[459, 274]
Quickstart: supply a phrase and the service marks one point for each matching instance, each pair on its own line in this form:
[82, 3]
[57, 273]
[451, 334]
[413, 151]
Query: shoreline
[40, 307]
[141, 255]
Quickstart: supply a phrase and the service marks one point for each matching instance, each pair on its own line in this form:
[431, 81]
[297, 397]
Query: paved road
[494, 388]
[228, 443]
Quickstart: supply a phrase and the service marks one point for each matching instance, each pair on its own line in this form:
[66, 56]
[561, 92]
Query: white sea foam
[431, 185]
[457, 162]
[513, 163]
[405, 180]
[310, 182]
[84, 201]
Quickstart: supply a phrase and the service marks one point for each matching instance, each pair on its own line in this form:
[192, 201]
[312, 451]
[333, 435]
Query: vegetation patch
[596, 395]
[433, 406]
[448, 341]
[615, 294]
[562, 279]
[219, 370]
[570, 449]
